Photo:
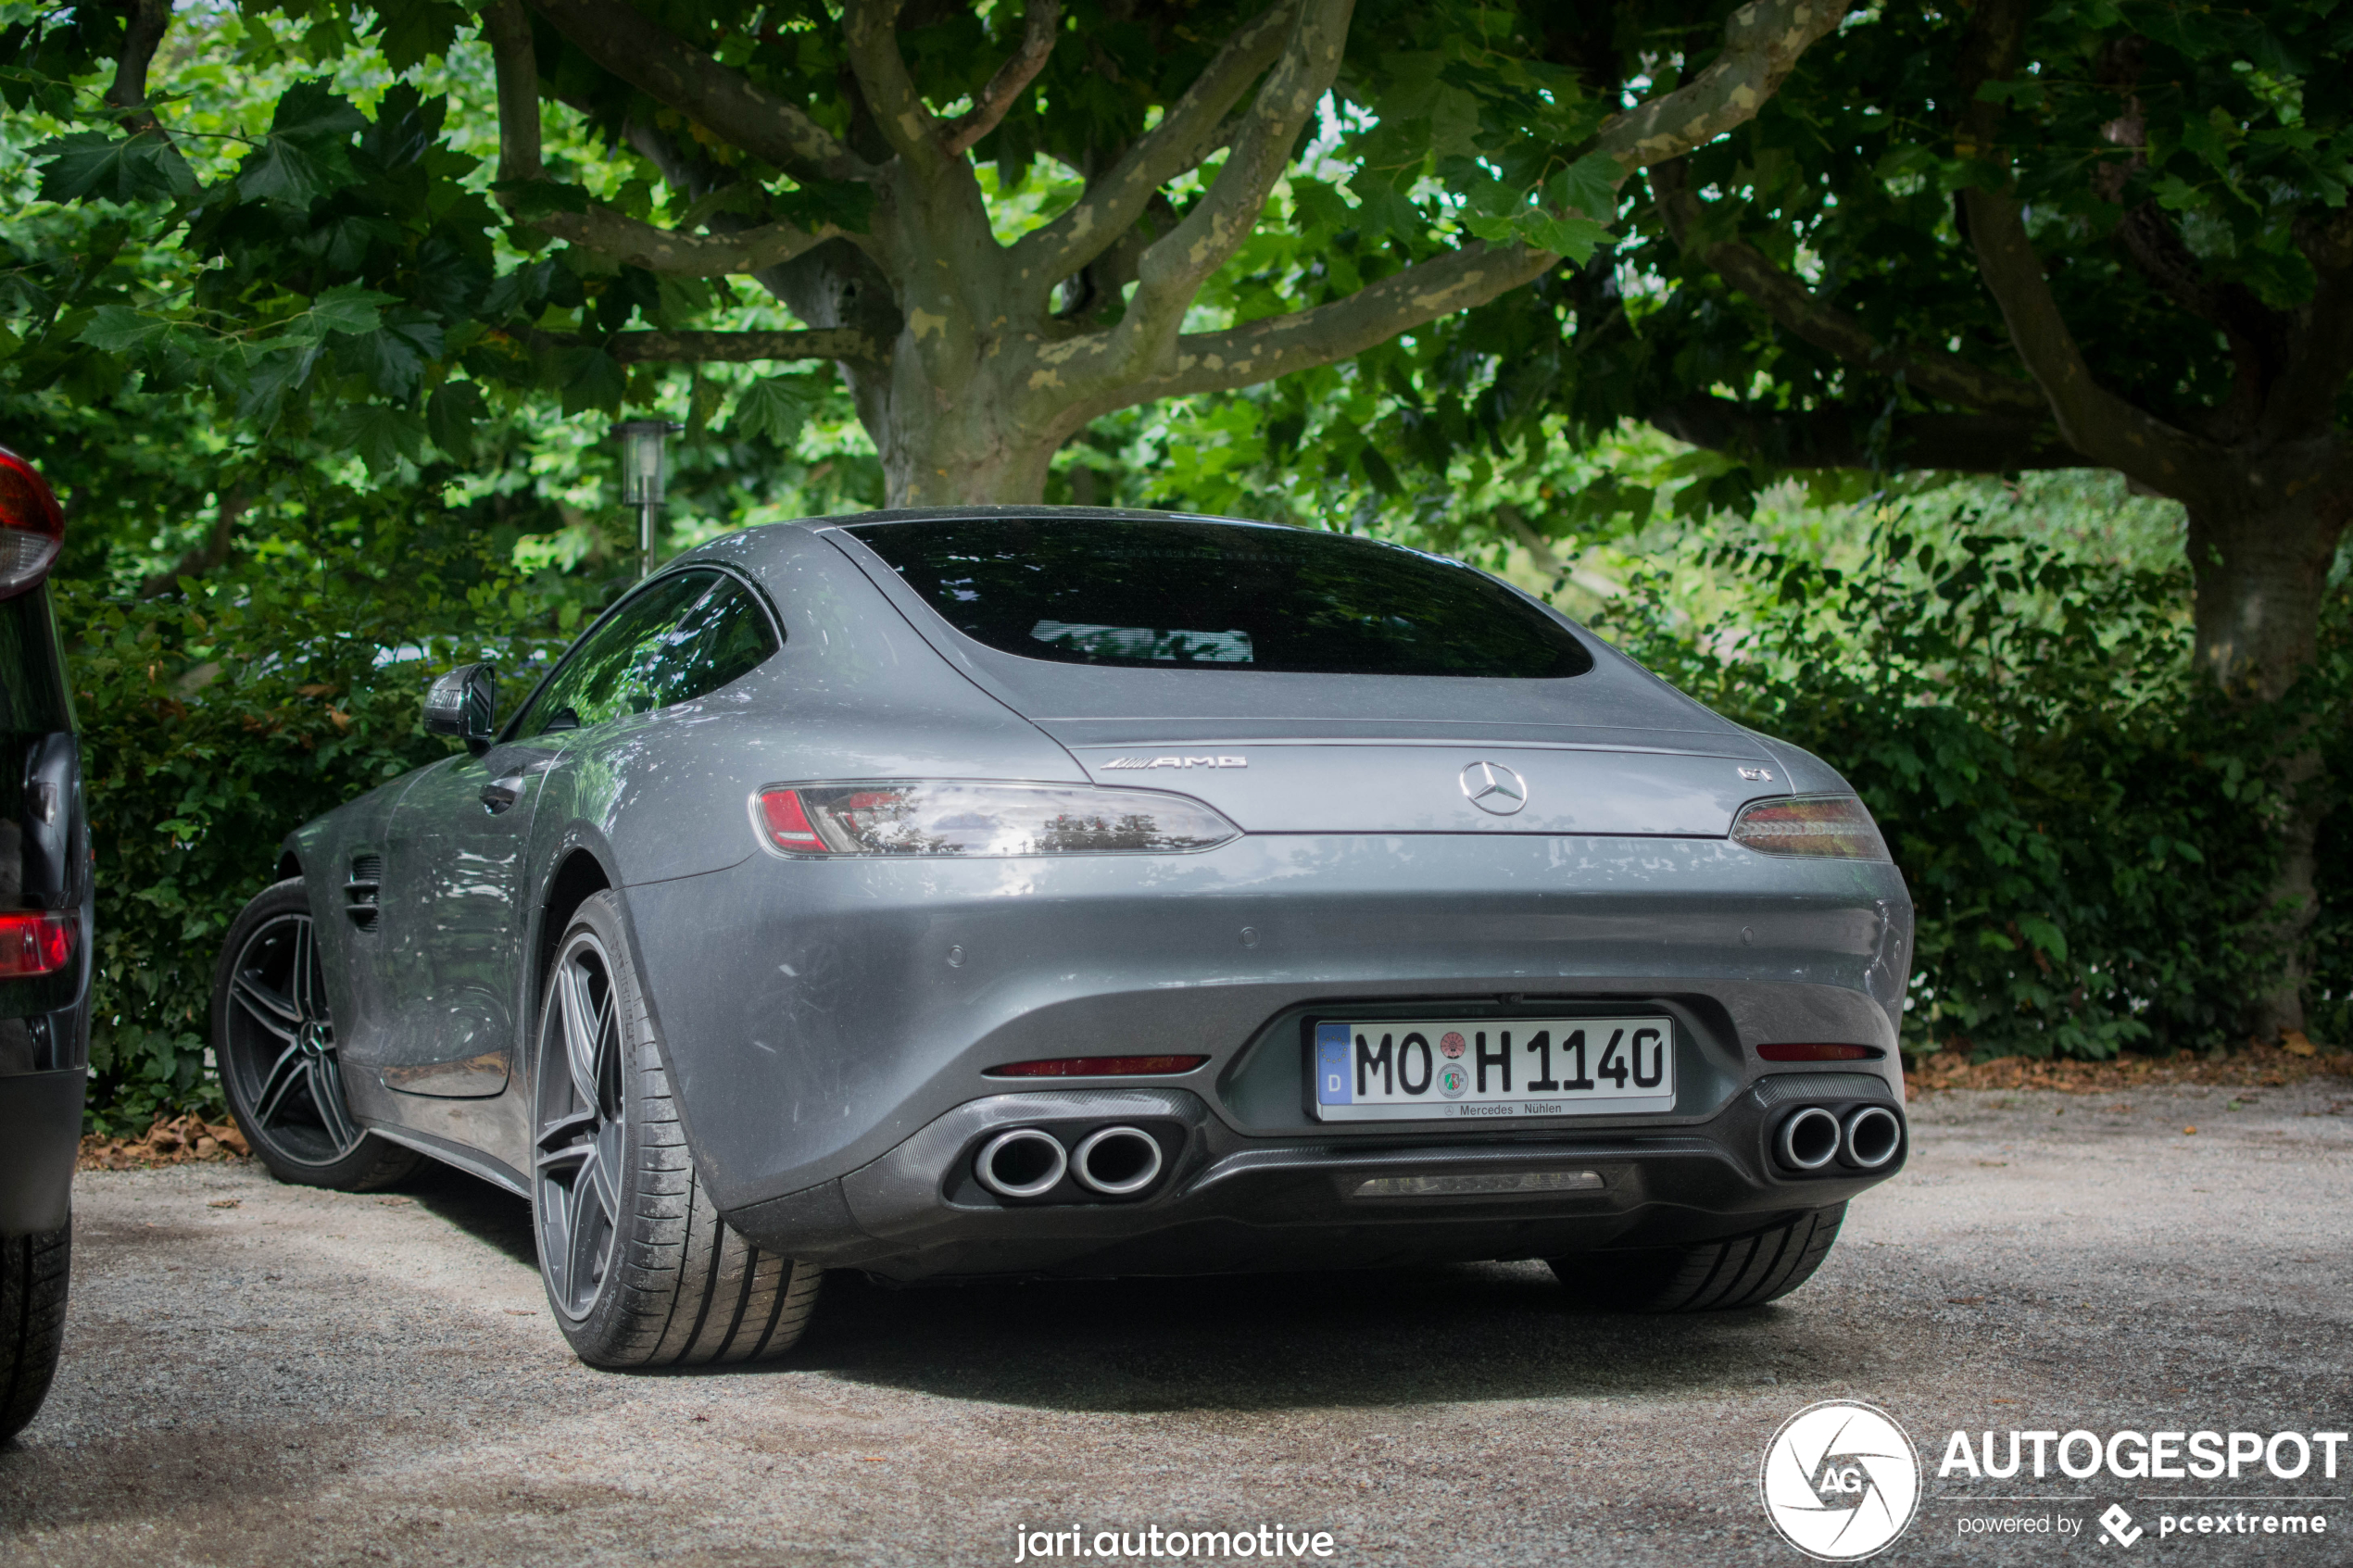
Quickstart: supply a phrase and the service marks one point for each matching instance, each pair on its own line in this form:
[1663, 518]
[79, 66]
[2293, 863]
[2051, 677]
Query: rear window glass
[1157, 594]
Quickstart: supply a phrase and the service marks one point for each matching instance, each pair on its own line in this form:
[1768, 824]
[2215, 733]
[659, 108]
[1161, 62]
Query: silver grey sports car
[959, 892]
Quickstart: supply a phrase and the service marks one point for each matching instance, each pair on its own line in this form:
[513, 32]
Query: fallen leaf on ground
[174, 1140]
[221, 1203]
[2188, 1130]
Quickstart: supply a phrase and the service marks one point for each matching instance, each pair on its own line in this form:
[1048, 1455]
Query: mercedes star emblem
[1493, 787]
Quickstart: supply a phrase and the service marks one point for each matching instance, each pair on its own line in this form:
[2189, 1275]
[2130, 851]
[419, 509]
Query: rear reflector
[1501, 1184]
[32, 525]
[35, 942]
[1817, 1053]
[787, 823]
[1098, 1067]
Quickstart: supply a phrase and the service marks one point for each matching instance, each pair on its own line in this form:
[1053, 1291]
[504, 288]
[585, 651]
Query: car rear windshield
[1156, 593]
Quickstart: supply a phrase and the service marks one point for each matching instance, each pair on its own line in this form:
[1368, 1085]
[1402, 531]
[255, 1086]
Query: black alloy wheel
[640, 1267]
[275, 1042]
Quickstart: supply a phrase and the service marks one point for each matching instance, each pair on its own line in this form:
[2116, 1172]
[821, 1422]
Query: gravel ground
[256, 1373]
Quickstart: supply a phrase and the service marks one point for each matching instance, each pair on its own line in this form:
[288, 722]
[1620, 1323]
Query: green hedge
[218, 717]
[2084, 822]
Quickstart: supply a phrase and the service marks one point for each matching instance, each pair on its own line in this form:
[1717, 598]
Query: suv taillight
[32, 527]
[35, 942]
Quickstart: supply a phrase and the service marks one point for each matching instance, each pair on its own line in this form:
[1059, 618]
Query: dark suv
[44, 948]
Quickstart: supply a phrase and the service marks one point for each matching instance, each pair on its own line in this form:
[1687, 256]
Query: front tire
[33, 1271]
[275, 1042]
[1715, 1276]
[640, 1269]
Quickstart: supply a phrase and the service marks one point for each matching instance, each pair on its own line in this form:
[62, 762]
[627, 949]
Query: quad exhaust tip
[1023, 1163]
[1117, 1161]
[1870, 1137]
[1809, 1139]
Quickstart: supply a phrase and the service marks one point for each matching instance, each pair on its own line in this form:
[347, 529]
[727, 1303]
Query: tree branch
[679, 254]
[658, 63]
[142, 35]
[1192, 128]
[1172, 270]
[1839, 438]
[1762, 42]
[516, 67]
[2093, 419]
[870, 28]
[1790, 303]
[2303, 402]
[633, 348]
[1041, 20]
[1261, 350]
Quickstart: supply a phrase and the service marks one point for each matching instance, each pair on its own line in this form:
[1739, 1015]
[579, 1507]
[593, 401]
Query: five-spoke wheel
[275, 1040]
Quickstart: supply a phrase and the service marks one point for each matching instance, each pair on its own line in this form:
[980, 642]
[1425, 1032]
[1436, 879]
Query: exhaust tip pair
[1031, 1163]
[1811, 1139]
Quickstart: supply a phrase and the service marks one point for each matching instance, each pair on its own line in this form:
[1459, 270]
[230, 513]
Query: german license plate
[1427, 1067]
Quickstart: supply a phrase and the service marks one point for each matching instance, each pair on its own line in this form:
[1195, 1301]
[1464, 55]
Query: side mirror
[464, 702]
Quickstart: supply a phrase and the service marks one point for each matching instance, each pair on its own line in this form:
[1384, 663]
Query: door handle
[500, 794]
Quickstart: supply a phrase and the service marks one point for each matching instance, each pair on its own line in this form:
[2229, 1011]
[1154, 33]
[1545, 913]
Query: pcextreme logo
[1841, 1480]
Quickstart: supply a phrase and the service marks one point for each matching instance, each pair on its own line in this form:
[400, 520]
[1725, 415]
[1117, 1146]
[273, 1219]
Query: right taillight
[1835, 825]
[32, 527]
[35, 942]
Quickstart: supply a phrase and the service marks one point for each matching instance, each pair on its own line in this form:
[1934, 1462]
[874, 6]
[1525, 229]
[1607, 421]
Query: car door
[458, 849]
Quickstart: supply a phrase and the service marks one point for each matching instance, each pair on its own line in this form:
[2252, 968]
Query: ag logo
[1841, 1481]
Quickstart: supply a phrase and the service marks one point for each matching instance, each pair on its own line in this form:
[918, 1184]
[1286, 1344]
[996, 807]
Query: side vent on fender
[361, 891]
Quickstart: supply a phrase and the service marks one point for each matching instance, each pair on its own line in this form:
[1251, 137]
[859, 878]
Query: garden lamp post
[643, 444]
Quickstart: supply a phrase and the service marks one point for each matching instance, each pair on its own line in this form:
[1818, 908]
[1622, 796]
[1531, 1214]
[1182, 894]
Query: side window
[683, 637]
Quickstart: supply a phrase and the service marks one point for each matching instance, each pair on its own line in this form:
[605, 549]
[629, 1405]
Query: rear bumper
[817, 1015]
[40, 1135]
[1229, 1202]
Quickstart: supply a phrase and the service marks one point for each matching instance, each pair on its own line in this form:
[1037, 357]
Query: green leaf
[383, 436]
[415, 30]
[775, 408]
[1575, 238]
[91, 165]
[1588, 185]
[117, 329]
[308, 152]
[587, 377]
[349, 308]
[451, 414]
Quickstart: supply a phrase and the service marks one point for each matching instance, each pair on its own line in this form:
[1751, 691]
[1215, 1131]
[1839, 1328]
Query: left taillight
[1834, 825]
[33, 526]
[981, 821]
[35, 942]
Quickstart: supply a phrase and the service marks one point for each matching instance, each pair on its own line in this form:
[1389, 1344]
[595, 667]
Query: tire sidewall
[287, 897]
[608, 1324]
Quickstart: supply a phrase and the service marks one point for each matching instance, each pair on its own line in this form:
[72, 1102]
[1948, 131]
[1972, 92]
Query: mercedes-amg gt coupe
[989, 891]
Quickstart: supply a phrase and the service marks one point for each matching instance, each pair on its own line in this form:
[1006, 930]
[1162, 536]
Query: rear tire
[1714, 1276]
[640, 1270]
[276, 1041]
[33, 1272]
